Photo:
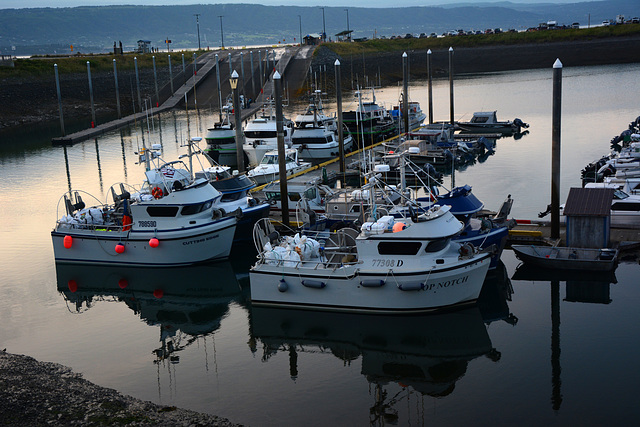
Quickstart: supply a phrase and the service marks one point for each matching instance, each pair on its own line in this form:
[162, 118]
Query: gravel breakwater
[34, 393]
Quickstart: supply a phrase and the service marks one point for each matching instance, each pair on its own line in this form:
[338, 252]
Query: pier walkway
[205, 73]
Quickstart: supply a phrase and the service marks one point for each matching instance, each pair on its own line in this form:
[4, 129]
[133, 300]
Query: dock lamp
[233, 81]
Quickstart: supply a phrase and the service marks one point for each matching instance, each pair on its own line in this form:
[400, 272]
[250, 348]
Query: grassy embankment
[43, 65]
[507, 38]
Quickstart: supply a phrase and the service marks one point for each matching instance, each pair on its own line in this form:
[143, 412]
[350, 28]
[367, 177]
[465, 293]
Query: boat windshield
[620, 195]
[269, 160]
[260, 134]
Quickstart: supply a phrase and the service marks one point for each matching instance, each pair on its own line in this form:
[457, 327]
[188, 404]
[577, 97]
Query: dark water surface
[552, 350]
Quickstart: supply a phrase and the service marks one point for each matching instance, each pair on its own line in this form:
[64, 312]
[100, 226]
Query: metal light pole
[300, 20]
[324, 30]
[348, 33]
[237, 113]
[282, 166]
[221, 33]
[198, 26]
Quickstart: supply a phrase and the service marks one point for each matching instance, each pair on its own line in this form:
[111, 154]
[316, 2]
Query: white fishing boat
[260, 135]
[316, 134]
[221, 140]
[387, 266]
[269, 168]
[416, 115]
[171, 220]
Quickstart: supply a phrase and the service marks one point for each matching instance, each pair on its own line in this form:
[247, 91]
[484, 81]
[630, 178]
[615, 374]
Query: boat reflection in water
[423, 354]
[581, 286]
[185, 302]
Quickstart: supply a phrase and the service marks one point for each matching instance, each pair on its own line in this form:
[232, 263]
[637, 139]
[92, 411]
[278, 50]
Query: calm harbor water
[537, 350]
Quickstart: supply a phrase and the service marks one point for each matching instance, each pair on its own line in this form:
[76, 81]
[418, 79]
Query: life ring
[157, 192]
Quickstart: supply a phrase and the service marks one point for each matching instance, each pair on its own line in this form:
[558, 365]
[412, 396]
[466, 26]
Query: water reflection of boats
[581, 286]
[429, 358]
[186, 302]
[533, 274]
[494, 298]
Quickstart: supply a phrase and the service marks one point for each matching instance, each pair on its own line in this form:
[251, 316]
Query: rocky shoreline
[34, 393]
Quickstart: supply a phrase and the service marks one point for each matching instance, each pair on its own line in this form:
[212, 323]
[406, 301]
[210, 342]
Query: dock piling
[253, 82]
[170, 75]
[93, 110]
[282, 168]
[430, 86]
[115, 79]
[55, 70]
[555, 149]
[135, 63]
[155, 79]
[451, 85]
[340, 131]
[405, 89]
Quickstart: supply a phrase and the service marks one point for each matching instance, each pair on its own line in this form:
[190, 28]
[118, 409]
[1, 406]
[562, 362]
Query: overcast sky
[4, 4]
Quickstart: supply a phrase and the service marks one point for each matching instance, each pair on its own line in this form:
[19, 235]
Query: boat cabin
[486, 117]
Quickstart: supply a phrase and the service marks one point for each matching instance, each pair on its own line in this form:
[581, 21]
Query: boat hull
[176, 247]
[354, 289]
[580, 259]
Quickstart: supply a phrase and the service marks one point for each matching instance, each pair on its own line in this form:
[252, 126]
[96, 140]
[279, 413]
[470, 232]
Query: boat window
[231, 197]
[355, 208]
[627, 207]
[480, 119]
[162, 211]
[194, 209]
[399, 248]
[620, 195]
[272, 196]
[260, 134]
[220, 141]
[320, 140]
[294, 197]
[310, 193]
[436, 245]
[269, 160]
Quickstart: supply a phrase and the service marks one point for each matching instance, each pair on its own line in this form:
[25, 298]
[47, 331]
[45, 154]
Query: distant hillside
[94, 29]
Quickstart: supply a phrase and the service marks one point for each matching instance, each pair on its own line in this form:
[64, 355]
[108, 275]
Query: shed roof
[589, 202]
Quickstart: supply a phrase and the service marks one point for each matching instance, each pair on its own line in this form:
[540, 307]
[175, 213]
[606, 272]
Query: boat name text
[146, 223]
[446, 284]
[195, 242]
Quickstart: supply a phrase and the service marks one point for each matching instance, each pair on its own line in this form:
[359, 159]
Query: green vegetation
[506, 38]
[43, 65]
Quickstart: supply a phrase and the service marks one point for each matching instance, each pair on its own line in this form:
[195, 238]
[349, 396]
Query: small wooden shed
[588, 217]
